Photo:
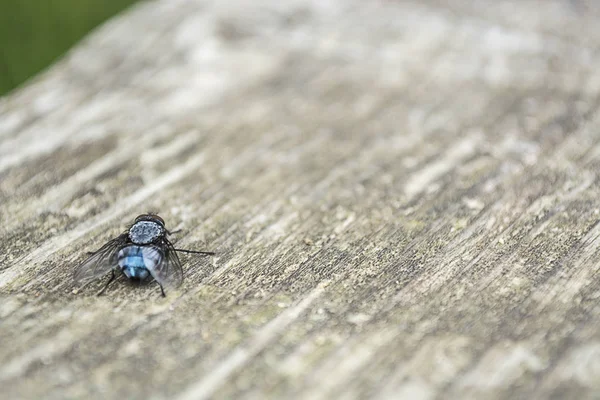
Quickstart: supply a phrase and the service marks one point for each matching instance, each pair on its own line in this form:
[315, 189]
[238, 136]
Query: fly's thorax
[144, 232]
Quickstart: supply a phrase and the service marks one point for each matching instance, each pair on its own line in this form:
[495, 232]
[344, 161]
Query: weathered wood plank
[403, 197]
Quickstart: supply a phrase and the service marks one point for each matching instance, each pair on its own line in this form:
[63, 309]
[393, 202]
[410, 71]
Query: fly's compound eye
[150, 217]
[156, 218]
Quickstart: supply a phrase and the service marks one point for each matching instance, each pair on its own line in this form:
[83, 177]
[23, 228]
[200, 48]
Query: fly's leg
[112, 278]
[206, 253]
[162, 290]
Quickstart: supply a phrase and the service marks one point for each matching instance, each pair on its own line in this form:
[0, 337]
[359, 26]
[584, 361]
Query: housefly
[141, 253]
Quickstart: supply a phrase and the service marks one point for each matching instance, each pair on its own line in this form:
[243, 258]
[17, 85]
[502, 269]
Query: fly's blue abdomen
[137, 261]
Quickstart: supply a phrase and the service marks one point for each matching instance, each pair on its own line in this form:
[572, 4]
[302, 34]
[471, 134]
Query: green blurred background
[34, 33]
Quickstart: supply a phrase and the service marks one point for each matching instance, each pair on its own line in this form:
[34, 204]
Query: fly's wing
[168, 271]
[101, 262]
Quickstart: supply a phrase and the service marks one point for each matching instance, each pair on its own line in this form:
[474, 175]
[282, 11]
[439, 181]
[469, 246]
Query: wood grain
[403, 197]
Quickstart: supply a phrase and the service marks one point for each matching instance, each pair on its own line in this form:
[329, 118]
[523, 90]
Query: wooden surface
[403, 196]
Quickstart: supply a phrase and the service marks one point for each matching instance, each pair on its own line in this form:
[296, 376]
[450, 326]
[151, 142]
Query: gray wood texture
[403, 196]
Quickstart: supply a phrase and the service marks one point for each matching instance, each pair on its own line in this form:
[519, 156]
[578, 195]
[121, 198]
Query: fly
[141, 253]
